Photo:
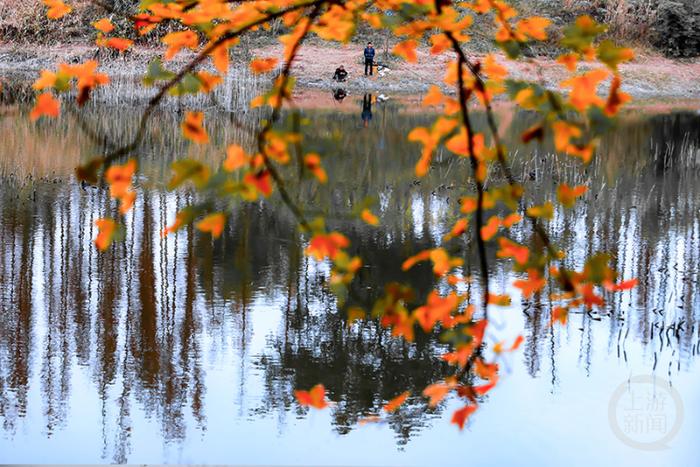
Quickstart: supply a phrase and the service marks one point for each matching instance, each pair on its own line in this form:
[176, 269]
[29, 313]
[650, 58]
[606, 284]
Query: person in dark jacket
[369, 58]
[340, 74]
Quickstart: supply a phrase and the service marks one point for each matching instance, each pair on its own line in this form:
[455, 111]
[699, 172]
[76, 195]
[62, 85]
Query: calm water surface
[184, 349]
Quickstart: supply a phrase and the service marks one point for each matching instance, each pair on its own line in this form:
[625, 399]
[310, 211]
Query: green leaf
[581, 34]
[187, 169]
[156, 72]
[612, 55]
[189, 84]
[511, 48]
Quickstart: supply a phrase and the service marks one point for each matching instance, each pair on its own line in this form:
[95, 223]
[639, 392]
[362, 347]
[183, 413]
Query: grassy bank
[667, 27]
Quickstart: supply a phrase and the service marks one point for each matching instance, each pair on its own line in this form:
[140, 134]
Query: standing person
[369, 58]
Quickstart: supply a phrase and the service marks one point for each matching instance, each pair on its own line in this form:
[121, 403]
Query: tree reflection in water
[147, 319]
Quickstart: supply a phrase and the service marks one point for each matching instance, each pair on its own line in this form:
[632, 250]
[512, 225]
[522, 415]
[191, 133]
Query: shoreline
[646, 78]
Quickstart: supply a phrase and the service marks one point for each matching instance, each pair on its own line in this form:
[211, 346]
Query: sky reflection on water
[185, 349]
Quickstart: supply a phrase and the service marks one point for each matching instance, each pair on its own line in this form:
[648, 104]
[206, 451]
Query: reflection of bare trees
[142, 318]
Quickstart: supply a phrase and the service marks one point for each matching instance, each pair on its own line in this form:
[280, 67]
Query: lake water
[187, 350]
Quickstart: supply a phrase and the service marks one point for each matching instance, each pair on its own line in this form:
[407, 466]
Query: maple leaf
[499, 300]
[534, 283]
[326, 245]
[46, 105]
[433, 97]
[396, 402]
[369, 217]
[624, 285]
[235, 158]
[545, 211]
[437, 392]
[263, 65]
[616, 98]
[315, 397]
[511, 249]
[459, 417]
[458, 229]
[192, 127]
[560, 314]
[208, 80]
[312, 162]
[491, 228]
[119, 43]
[567, 195]
[407, 50]
[57, 9]
[534, 27]
[584, 88]
[179, 40]
[436, 309]
[106, 230]
[103, 25]
[213, 223]
[260, 180]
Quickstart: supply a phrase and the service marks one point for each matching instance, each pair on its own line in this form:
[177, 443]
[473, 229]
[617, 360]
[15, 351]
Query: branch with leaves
[574, 120]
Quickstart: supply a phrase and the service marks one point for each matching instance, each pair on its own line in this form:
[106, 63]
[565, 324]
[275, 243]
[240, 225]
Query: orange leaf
[510, 249]
[534, 27]
[235, 158]
[410, 262]
[57, 9]
[567, 195]
[624, 285]
[47, 105]
[46, 80]
[179, 40]
[491, 228]
[518, 340]
[460, 416]
[106, 229]
[315, 397]
[119, 43]
[103, 25]
[433, 97]
[208, 80]
[192, 127]
[584, 88]
[569, 61]
[326, 245]
[499, 300]
[369, 217]
[261, 181]
[458, 229]
[437, 392]
[396, 402]
[407, 50]
[263, 65]
[312, 162]
[616, 98]
[534, 283]
[213, 223]
[560, 314]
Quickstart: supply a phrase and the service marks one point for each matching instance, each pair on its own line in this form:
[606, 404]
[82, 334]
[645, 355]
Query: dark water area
[188, 349]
